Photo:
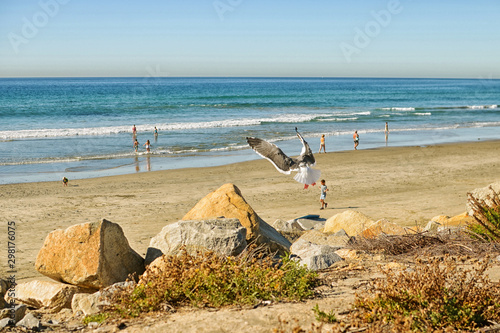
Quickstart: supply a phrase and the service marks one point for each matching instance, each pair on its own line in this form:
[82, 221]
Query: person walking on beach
[322, 144]
[65, 181]
[148, 146]
[386, 131]
[322, 197]
[356, 140]
[136, 145]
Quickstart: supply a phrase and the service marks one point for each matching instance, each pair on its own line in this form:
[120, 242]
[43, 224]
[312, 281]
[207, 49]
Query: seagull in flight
[284, 164]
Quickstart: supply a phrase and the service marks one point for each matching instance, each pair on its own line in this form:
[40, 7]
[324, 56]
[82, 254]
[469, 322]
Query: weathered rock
[272, 239]
[4, 322]
[16, 313]
[315, 256]
[47, 294]
[281, 225]
[89, 304]
[458, 220]
[227, 201]
[4, 286]
[310, 224]
[155, 268]
[348, 254]
[383, 227]
[92, 255]
[319, 238]
[288, 226]
[432, 226]
[395, 266]
[224, 236]
[441, 219]
[482, 194]
[351, 221]
[29, 321]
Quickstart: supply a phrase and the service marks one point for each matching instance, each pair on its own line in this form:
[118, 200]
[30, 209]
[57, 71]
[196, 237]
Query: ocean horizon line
[251, 77]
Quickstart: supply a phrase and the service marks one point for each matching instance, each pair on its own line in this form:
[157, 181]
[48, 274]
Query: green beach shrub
[486, 217]
[210, 280]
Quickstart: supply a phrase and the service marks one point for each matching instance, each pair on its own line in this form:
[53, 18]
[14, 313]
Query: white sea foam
[113, 130]
[399, 109]
[423, 113]
[493, 106]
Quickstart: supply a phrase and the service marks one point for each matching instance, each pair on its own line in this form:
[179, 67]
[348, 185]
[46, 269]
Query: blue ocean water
[82, 127]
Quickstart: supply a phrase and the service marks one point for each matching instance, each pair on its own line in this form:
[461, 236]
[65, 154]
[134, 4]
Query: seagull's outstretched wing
[273, 154]
[306, 155]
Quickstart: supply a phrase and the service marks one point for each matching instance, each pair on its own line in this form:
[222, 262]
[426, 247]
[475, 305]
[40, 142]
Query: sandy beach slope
[407, 185]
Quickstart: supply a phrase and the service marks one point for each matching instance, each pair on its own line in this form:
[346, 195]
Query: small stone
[19, 310]
[29, 321]
[4, 322]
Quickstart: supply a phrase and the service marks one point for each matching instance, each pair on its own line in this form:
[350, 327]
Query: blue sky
[331, 38]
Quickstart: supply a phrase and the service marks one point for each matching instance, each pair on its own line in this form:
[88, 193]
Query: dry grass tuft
[426, 244]
[433, 296]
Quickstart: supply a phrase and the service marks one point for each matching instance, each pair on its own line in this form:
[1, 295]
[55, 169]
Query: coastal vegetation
[434, 295]
[486, 216]
[214, 281]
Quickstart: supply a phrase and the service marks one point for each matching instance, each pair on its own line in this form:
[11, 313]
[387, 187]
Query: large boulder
[315, 256]
[224, 236]
[483, 193]
[92, 255]
[383, 227]
[47, 294]
[228, 202]
[351, 221]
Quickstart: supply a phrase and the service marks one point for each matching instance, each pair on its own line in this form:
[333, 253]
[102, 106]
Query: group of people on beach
[148, 144]
[355, 138]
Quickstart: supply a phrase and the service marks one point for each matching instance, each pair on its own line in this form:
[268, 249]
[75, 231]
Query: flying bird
[284, 164]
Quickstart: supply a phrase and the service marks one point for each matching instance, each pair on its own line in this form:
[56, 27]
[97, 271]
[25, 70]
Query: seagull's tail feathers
[307, 175]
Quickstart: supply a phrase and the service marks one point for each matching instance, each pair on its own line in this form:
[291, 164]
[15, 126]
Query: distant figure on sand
[148, 146]
[136, 145]
[322, 144]
[65, 181]
[386, 131]
[356, 139]
[322, 198]
[134, 130]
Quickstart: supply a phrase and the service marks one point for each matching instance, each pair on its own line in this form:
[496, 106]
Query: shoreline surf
[146, 162]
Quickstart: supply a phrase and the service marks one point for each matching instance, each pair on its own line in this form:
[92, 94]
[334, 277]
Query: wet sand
[406, 185]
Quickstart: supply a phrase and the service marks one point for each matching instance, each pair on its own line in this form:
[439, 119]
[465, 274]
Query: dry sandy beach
[406, 185]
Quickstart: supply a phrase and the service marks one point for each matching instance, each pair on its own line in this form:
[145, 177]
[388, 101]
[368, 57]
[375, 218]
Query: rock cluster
[91, 261]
